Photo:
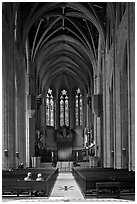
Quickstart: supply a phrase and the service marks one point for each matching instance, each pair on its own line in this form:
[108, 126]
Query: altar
[65, 166]
[64, 139]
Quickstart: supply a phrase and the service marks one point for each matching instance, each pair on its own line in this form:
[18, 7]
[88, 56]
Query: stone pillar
[19, 111]
[43, 117]
[11, 123]
[72, 109]
[98, 92]
[117, 152]
[5, 118]
[22, 114]
[99, 135]
[89, 111]
[87, 114]
[84, 110]
[30, 92]
[27, 123]
[118, 123]
[105, 119]
[57, 119]
[104, 157]
[17, 126]
[9, 104]
[131, 85]
[95, 118]
[107, 136]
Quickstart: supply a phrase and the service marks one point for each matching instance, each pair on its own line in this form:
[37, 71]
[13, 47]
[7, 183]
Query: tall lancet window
[64, 108]
[78, 107]
[50, 108]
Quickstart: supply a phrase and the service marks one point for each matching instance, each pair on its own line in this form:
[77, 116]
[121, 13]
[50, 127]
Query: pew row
[88, 178]
[110, 186]
[19, 186]
[21, 174]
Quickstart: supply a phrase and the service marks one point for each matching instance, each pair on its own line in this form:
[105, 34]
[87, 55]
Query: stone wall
[119, 137]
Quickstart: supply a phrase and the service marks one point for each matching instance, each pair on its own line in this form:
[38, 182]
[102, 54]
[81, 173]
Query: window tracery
[50, 108]
[64, 108]
[78, 108]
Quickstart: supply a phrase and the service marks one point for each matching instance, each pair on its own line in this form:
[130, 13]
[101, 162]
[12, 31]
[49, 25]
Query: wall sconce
[6, 153]
[17, 154]
[124, 150]
[112, 151]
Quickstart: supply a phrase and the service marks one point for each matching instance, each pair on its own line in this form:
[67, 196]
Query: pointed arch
[50, 108]
[78, 107]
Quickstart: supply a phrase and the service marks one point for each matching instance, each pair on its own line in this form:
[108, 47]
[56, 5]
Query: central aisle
[66, 188]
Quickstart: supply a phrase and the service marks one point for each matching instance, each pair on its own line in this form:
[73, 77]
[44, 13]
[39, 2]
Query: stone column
[89, 111]
[43, 116]
[118, 119]
[30, 110]
[11, 101]
[95, 118]
[17, 126]
[57, 119]
[98, 92]
[104, 152]
[99, 135]
[11, 124]
[5, 119]
[22, 114]
[107, 136]
[131, 86]
[27, 122]
[72, 109]
[87, 108]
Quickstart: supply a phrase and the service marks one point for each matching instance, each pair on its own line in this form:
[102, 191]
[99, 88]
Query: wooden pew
[25, 186]
[21, 174]
[115, 186]
[87, 179]
[14, 182]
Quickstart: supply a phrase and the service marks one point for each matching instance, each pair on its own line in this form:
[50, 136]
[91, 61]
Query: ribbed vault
[63, 41]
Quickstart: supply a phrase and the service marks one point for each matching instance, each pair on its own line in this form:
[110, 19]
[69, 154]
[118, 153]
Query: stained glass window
[78, 107]
[64, 108]
[50, 108]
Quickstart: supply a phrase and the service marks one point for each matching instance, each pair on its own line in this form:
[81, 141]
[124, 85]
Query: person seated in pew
[11, 169]
[39, 177]
[29, 177]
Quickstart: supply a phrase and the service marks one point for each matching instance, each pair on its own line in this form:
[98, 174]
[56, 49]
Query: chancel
[68, 100]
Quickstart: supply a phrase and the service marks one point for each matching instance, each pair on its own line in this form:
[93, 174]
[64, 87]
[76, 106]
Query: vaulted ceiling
[63, 41]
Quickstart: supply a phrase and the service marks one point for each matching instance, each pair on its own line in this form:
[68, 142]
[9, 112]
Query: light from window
[64, 108]
[78, 108]
[49, 108]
